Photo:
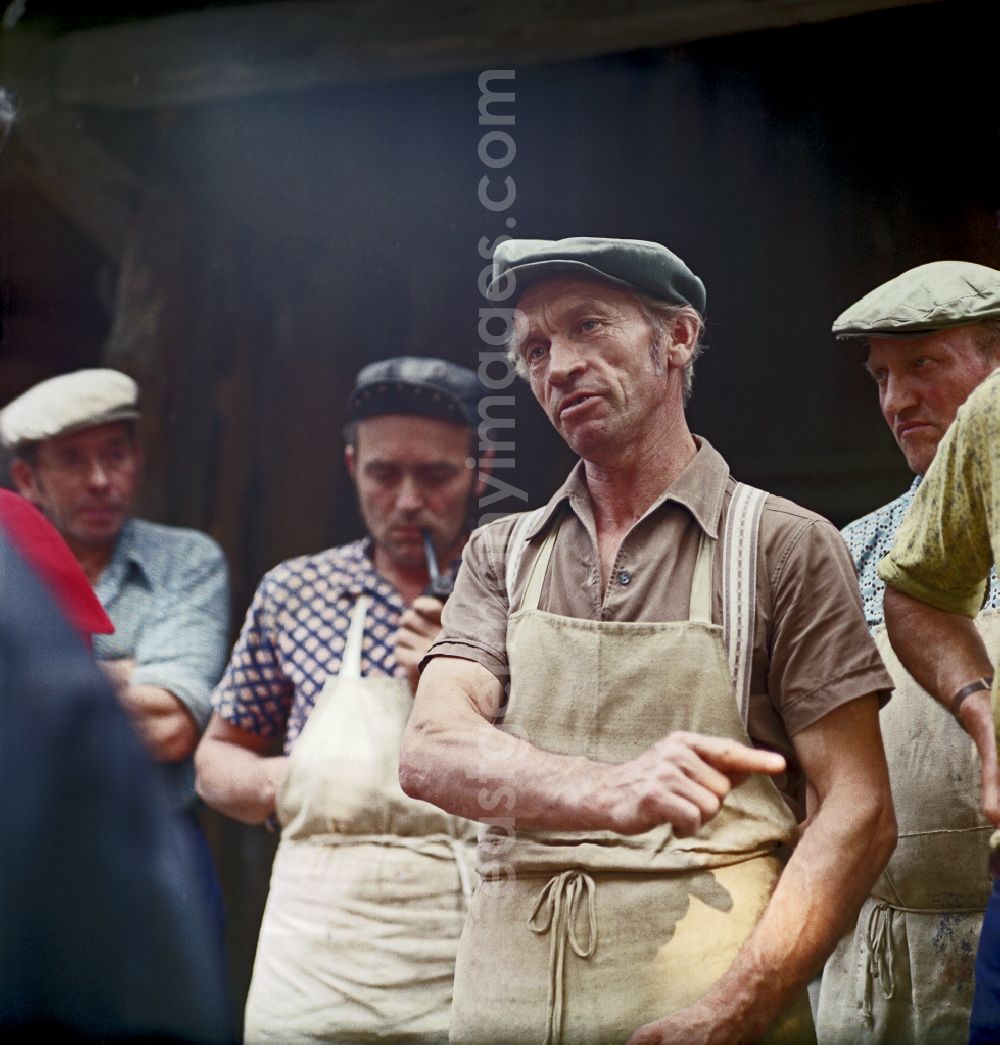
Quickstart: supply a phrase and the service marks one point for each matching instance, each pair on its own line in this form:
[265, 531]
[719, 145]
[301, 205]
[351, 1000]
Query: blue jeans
[984, 1023]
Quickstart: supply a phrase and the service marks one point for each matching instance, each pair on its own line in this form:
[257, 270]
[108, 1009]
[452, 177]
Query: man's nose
[564, 360]
[97, 474]
[410, 497]
[898, 396]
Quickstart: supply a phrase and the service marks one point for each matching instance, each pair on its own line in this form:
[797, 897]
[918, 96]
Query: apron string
[462, 863]
[878, 956]
[556, 911]
[350, 662]
[879, 951]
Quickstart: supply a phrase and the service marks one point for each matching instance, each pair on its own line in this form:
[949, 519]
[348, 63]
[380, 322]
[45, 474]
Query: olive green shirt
[951, 535]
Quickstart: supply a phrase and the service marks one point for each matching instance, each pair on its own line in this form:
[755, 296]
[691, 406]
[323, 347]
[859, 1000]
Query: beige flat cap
[929, 297]
[68, 403]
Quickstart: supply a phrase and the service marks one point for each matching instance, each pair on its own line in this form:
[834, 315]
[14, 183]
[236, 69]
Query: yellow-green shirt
[951, 534]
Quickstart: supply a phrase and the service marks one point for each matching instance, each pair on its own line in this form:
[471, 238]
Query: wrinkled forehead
[92, 437]
[886, 351]
[411, 438]
[549, 296]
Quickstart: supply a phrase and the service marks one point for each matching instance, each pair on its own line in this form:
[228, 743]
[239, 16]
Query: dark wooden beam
[260, 49]
[54, 150]
[76, 176]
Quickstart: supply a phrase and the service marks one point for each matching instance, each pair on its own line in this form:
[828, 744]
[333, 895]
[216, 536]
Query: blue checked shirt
[294, 635]
[166, 591]
[870, 538]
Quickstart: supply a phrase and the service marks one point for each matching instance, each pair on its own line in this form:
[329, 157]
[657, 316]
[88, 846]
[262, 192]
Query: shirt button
[624, 577]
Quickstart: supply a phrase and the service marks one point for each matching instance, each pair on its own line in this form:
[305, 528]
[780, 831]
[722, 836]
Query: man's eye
[878, 376]
[436, 476]
[921, 361]
[533, 353]
[589, 325]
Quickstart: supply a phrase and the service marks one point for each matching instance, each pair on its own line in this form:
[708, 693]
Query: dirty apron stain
[369, 888]
[905, 973]
[584, 936]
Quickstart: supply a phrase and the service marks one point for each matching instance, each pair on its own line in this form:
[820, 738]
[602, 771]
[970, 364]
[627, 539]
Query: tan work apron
[584, 936]
[905, 973]
[369, 888]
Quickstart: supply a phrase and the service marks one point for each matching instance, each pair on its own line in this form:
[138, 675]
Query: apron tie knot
[879, 955]
[557, 910]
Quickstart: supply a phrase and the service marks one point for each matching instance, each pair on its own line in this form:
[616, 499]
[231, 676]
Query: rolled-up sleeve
[182, 646]
[822, 655]
[944, 548]
[474, 621]
[255, 693]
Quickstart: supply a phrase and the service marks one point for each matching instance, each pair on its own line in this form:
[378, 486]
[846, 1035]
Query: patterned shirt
[951, 535]
[166, 590]
[294, 635]
[869, 540]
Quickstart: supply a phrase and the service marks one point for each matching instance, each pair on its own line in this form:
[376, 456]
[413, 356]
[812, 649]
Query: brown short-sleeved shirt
[812, 650]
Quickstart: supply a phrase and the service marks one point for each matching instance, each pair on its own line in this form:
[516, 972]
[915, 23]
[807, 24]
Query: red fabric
[42, 547]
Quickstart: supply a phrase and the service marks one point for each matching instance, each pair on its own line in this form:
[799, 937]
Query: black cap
[416, 385]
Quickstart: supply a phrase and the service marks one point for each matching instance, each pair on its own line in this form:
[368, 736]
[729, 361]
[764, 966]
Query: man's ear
[26, 480]
[350, 459]
[485, 469]
[683, 339]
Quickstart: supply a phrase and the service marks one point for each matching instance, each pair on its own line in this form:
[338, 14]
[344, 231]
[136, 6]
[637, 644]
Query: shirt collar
[133, 549]
[701, 488]
[129, 556]
[361, 577]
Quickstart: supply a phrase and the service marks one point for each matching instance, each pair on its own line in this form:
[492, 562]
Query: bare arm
[944, 652]
[454, 757]
[829, 874]
[164, 724]
[239, 773]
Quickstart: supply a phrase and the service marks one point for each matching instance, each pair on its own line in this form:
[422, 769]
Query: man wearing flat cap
[906, 972]
[76, 456]
[684, 654]
[369, 889]
[938, 576]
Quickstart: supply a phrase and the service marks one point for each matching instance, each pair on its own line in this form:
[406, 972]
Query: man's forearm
[454, 757]
[165, 725]
[815, 902]
[459, 761]
[830, 872]
[942, 651]
[237, 782]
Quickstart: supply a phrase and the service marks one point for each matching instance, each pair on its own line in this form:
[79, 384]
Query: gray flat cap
[637, 264]
[929, 297]
[68, 403]
[416, 385]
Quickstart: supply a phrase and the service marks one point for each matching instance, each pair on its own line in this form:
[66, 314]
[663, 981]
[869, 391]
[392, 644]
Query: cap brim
[528, 272]
[899, 332]
[415, 400]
